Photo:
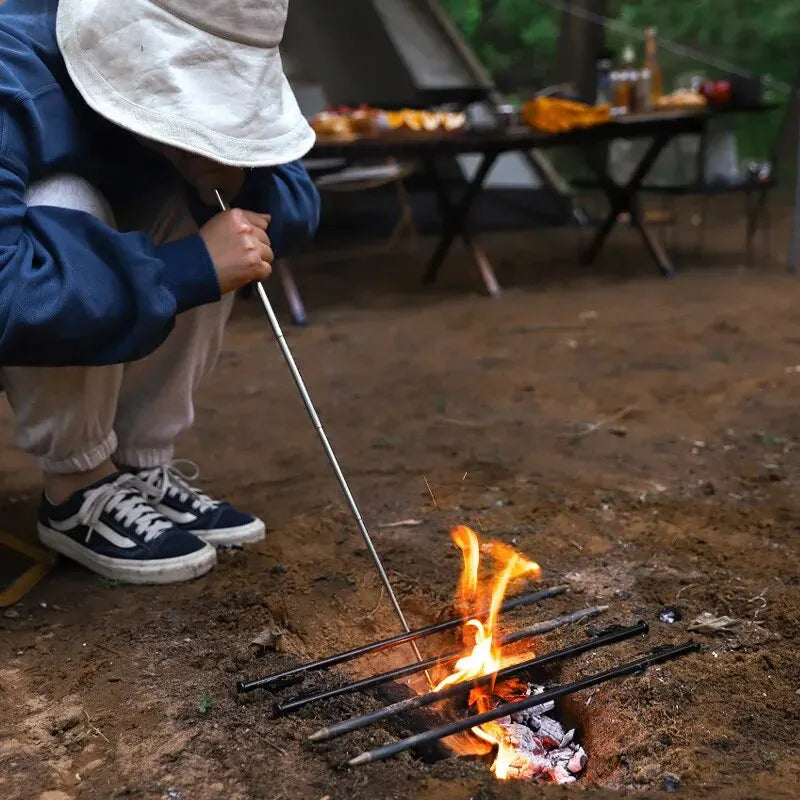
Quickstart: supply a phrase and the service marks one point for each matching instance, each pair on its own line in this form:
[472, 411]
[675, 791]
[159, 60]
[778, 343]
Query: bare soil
[684, 493]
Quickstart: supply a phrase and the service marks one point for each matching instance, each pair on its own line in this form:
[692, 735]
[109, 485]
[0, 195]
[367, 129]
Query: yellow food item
[369, 122]
[363, 122]
[430, 121]
[454, 121]
[332, 125]
[682, 98]
[410, 119]
[395, 120]
[554, 115]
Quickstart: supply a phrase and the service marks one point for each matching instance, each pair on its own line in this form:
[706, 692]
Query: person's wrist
[190, 287]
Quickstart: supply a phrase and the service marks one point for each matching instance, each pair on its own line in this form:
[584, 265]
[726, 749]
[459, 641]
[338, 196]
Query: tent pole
[794, 247]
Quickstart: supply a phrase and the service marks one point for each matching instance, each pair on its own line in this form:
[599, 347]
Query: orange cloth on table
[554, 115]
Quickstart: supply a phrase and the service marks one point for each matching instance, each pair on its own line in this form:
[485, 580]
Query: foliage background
[517, 39]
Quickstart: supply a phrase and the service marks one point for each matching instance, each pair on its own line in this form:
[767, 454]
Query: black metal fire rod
[592, 643]
[632, 668]
[301, 701]
[279, 678]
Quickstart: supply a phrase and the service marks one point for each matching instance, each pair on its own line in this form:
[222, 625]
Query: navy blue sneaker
[213, 521]
[113, 529]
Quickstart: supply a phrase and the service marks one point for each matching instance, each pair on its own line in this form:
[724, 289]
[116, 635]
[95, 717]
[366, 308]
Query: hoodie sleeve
[288, 194]
[73, 291]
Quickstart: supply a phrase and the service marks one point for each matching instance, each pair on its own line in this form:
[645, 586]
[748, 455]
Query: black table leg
[455, 215]
[653, 244]
[484, 265]
[624, 198]
[600, 236]
[293, 298]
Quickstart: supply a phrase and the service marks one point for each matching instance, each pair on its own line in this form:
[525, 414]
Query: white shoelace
[170, 480]
[124, 499]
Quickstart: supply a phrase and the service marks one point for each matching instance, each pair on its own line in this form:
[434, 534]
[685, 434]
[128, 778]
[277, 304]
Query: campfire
[529, 745]
[485, 690]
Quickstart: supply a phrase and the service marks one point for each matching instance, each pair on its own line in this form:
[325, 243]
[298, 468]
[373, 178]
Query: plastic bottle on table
[624, 86]
[651, 64]
[644, 93]
[604, 93]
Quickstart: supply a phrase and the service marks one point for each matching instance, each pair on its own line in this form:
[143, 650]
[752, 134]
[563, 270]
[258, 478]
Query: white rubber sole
[163, 570]
[227, 537]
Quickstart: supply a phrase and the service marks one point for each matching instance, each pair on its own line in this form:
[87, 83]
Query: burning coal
[529, 745]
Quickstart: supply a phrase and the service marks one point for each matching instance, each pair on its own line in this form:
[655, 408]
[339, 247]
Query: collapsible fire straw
[632, 668]
[419, 701]
[280, 679]
[334, 462]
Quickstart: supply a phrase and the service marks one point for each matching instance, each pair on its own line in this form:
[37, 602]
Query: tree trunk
[580, 42]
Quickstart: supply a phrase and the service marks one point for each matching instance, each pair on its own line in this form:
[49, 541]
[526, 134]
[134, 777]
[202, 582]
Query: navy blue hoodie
[73, 291]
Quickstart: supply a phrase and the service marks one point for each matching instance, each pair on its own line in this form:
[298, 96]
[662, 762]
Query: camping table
[661, 127]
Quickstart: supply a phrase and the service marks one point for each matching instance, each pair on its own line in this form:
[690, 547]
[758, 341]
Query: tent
[406, 53]
[391, 53]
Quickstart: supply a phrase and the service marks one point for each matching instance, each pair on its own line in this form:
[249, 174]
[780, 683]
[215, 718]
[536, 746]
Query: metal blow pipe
[334, 462]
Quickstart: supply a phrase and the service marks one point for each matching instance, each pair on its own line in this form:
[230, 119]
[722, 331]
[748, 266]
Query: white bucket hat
[202, 75]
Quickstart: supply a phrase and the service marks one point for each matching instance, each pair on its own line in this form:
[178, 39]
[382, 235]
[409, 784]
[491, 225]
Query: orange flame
[466, 540]
[485, 656]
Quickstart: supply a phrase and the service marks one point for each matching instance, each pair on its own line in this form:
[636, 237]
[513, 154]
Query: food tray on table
[346, 124]
[681, 99]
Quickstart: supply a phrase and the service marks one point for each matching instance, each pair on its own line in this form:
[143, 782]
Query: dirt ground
[686, 492]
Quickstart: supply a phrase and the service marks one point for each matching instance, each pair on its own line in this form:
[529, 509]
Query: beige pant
[71, 419]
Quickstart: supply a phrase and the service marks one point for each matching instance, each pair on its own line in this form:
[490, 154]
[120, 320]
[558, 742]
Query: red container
[718, 93]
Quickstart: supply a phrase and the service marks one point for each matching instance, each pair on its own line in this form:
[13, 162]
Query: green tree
[516, 39]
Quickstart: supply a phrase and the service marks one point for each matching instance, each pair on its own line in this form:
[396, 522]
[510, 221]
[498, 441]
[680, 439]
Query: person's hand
[239, 247]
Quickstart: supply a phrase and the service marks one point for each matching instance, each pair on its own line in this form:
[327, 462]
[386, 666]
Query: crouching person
[117, 273]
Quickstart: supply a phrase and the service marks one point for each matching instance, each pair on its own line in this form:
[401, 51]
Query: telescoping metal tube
[326, 446]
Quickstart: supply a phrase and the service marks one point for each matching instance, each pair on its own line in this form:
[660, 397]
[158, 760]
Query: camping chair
[22, 566]
[344, 181]
[755, 189]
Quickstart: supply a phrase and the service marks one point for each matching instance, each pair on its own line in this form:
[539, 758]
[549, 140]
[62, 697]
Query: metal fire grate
[605, 638]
